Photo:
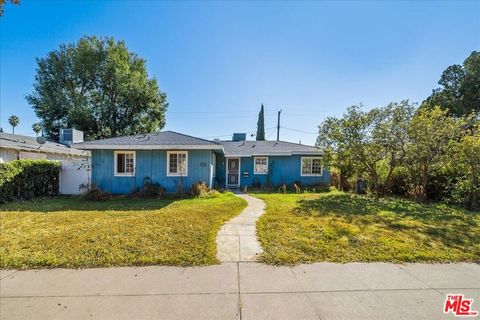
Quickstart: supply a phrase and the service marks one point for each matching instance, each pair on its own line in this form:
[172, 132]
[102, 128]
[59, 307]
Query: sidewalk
[240, 290]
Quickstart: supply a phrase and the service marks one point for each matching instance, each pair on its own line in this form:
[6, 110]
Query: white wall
[74, 172]
[7, 155]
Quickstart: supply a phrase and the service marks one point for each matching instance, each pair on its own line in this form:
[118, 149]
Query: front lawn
[341, 227]
[72, 232]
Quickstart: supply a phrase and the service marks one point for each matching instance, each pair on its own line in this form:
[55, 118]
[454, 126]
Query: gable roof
[161, 140]
[30, 144]
[266, 148]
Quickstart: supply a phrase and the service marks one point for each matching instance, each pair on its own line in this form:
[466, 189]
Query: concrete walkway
[239, 291]
[237, 239]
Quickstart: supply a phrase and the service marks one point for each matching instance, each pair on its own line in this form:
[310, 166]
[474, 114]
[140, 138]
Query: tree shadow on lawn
[453, 227]
[76, 203]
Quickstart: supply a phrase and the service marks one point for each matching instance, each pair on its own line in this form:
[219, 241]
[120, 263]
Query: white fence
[73, 174]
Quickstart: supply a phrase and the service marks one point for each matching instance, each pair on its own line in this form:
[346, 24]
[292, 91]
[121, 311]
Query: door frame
[226, 171]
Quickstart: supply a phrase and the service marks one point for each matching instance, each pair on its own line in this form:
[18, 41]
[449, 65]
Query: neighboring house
[75, 169]
[16, 147]
[176, 161]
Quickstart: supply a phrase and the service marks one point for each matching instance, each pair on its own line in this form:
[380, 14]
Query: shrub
[150, 190]
[256, 184]
[199, 188]
[335, 178]
[95, 194]
[399, 181]
[28, 178]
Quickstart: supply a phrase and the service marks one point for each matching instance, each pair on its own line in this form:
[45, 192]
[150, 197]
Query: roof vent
[216, 139]
[70, 136]
[239, 137]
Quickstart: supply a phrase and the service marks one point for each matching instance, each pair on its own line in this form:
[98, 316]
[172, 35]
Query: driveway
[239, 290]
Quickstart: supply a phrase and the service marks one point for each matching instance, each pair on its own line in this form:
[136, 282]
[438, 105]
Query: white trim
[81, 146]
[310, 174]
[214, 164]
[271, 154]
[124, 174]
[239, 171]
[255, 165]
[169, 174]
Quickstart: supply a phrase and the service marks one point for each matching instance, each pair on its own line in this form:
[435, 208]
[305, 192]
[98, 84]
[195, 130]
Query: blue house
[176, 161]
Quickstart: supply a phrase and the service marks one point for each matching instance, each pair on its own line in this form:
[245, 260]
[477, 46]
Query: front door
[233, 172]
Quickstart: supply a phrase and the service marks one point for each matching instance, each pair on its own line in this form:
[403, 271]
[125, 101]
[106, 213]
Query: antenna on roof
[41, 140]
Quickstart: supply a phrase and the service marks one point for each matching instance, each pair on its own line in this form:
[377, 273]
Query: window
[261, 165]
[124, 163]
[311, 166]
[177, 163]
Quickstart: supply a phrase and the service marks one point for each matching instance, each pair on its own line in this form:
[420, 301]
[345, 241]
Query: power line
[230, 134]
[296, 130]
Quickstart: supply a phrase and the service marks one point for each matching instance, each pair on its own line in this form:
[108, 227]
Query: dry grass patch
[341, 227]
[72, 232]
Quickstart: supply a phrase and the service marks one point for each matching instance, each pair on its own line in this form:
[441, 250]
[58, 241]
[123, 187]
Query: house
[75, 170]
[16, 147]
[176, 161]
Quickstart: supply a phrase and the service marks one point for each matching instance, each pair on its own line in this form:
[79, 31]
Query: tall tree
[430, 133]
[261, 126]
[14, 121]
[465, 156]
[361, 141]
[36, 127]
[96, 85]
[460, 88]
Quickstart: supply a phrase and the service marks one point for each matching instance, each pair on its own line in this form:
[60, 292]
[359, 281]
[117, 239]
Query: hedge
[25, 179]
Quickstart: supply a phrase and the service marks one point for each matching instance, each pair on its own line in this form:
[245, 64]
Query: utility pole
[278, 125]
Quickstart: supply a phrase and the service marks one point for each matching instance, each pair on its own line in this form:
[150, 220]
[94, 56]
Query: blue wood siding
[152, 164]
[283, 170]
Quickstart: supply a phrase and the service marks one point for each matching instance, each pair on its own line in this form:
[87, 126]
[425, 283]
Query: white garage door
[74, 173]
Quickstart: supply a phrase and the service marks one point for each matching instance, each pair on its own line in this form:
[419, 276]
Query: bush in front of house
[94, 193]
[26, 179]
[149, 190]
[200, 189]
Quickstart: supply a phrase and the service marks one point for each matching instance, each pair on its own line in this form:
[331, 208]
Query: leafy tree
[261, 126]
[363, 141]
[464, 155]
[460, 88]
[36, 127]
[4, 2]
[14, 121]
[429, 133]
[96, 85]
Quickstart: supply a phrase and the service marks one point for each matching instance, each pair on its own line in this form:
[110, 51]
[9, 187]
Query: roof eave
[146, 147]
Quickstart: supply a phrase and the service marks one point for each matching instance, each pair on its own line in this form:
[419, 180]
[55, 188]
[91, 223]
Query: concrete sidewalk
[239, 291]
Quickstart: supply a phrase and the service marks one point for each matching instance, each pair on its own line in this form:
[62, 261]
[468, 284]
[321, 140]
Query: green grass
[340, 227]
[72, 232]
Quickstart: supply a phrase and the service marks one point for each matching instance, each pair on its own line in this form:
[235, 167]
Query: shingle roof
[265, 148]
[26, 143]
[157, 140]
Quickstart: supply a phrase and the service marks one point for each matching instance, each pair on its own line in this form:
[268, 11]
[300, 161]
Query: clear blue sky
[218, 61]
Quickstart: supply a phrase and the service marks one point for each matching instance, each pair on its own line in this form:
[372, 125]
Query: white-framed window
[260, 165]
[124, 163]
[312, 166]
[177, 163]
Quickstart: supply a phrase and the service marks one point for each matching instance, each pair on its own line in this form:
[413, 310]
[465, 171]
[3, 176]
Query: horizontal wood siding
[152, 164]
